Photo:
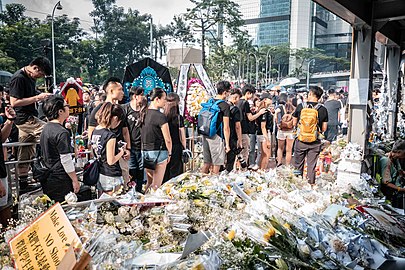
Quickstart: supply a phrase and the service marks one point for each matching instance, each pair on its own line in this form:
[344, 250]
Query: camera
[241, 160]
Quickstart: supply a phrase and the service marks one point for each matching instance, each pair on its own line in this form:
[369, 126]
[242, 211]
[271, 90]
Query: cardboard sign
[43, 244]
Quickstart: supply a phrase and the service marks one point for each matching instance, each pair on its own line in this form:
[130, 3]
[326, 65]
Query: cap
[399, 146]
[86, 90]
[265, 95]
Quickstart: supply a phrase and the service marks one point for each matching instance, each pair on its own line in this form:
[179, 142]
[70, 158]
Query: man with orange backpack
[312, 120]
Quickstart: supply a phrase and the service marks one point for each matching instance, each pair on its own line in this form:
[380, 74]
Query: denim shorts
[108, 183]
[135, 160]
[152, 155]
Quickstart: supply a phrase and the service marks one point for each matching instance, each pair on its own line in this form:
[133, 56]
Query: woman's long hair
[171, 109]
[107, 112]
[143, 107]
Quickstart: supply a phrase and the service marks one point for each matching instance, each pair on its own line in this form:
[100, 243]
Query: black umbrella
[148, 74]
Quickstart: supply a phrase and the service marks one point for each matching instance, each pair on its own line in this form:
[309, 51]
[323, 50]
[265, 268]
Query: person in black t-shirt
[264, 129]
[135, 112]
[215, 148]
[115, 94]
[178, 135]
[5, 190]
[247, 118]
[23, 98]
[156, 140]
[108, 148]
[235, 138]
[57, 150]
[310, 151]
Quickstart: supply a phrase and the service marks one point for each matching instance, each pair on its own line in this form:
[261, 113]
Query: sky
[162, 10]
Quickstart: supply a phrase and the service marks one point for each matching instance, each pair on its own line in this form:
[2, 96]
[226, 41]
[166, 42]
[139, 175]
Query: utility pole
[309, 65]
[151, 37]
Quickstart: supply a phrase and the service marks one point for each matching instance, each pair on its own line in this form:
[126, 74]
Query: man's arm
[252, 117]
[89, 133]
[238, 128]
[324, 126]
[295, 121]
[20, 102]
[227, 133]
[127, 137]
[5, 131]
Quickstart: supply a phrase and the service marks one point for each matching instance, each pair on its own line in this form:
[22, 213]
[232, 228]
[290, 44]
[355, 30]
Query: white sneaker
[255, 167]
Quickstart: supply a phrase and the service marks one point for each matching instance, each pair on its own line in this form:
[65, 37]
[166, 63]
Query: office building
[300, 23]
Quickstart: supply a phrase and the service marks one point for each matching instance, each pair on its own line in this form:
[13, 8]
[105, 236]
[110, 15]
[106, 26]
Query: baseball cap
[264, 96]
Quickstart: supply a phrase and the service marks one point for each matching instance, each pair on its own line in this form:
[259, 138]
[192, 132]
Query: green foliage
[6, 62]
[120, 38]
[207, 14]
[180, 30]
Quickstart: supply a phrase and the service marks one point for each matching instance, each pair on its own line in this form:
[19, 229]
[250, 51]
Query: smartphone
[122, 144]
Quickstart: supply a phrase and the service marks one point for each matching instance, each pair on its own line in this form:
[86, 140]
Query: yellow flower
[270, 233]
[259, 188]
[287, 226]
[208, 192]
[198, 267]
[207, 182]
[231, 235]
[199, 203]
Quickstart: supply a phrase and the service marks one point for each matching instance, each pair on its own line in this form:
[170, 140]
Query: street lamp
[268, 67]
[309, 64]
[257, 68]
[59, 7]
[151, 37]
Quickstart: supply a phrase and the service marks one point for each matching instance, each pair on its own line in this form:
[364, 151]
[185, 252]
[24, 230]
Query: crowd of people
[249, 120]
[141, 143]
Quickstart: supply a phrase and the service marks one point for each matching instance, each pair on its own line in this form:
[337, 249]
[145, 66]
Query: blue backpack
[208, 118]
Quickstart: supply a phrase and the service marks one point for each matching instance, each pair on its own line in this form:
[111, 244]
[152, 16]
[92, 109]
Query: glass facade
[274, 32]
[277, 28]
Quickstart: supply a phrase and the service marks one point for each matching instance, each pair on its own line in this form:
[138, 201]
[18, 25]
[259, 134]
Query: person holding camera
[235, 138]
[393, 174]
[6, 198]
[107, 149]
[23, 98]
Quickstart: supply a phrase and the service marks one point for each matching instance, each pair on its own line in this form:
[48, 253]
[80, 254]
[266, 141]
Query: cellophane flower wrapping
[255, 220]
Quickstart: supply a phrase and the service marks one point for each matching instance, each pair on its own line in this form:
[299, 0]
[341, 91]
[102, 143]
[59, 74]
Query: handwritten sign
[43, 244]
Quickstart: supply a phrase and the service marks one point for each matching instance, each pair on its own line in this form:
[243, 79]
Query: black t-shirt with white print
[133, 119]
[118, 130]
[99, 140]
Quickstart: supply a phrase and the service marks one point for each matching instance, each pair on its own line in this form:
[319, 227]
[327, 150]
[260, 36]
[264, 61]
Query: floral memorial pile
[241, 220]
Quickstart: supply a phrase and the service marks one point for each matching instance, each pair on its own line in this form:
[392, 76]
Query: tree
[124, 37]
[14, 13]
[304, 55]
[6, 62]
[207, 14]
[180, 30]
